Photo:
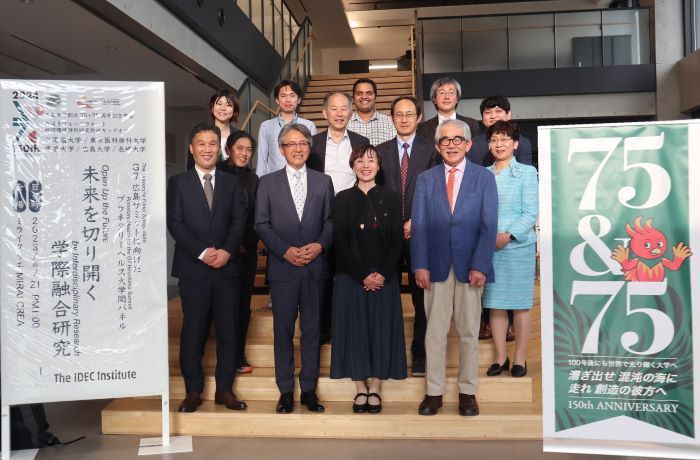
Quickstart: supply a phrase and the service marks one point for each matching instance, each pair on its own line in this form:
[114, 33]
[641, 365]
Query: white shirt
[451, 117]
[337, 164]
[292, 180]
[401, 142]
[459, 174]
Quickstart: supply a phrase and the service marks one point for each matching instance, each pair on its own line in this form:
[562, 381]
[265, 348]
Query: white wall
[372, 43]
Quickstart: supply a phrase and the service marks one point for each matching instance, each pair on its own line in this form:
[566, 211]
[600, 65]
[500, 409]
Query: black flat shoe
[518, 370]
[374, 408]
[496, 369]
[360, 408]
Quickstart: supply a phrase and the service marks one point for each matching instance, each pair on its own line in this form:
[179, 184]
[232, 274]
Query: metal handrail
[256, 104]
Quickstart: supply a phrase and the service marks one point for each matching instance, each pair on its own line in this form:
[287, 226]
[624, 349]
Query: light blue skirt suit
[514, 264]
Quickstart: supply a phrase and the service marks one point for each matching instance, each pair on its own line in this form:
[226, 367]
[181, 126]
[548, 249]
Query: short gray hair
[442, 81]
[459, 124]
[298, 127]
[333, 93]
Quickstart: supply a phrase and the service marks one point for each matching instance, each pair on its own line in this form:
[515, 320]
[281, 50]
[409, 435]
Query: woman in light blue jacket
[514, 260]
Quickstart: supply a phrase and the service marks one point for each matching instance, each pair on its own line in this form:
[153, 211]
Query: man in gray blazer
[293, 218]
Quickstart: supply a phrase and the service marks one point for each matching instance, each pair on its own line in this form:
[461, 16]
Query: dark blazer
[195, 227]
[423, 157]
[249, 181]
[465, 239]
[479, 152]
[347, 211]
[278, 225]
[317, 157]
[427, 128]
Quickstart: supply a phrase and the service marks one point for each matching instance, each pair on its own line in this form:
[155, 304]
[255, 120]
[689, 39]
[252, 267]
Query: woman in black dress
[367, 331]
[240, 148]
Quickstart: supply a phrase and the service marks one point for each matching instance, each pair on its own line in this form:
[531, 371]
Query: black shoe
[518, 370]
[359, 408]
[285, 405]
[468, 406]
[430, 405]
[374, 408]
[310, 400]
[496, 369]
[418, 369]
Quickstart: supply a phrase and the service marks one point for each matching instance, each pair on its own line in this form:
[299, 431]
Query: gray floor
[72, 419]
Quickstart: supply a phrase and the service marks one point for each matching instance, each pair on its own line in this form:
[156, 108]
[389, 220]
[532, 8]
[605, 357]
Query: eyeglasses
[445, 141]
[294, 145]
[405, 116]
[451, 92]
[501, 140]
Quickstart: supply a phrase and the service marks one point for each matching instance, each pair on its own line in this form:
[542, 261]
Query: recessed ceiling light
[26, 2]
[112, 48]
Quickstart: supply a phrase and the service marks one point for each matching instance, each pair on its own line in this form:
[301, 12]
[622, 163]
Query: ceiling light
[26, 2]
[383, 66]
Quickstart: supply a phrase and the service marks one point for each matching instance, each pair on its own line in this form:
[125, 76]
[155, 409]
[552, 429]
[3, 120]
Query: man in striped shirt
[366, 120]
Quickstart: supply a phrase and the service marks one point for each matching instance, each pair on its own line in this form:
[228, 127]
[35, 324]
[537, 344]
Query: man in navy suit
[206, 216]
[493, 109]
[403, 158]
[293, 218]
[455, 217]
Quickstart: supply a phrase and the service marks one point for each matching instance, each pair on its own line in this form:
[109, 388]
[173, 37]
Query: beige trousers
[441, 301]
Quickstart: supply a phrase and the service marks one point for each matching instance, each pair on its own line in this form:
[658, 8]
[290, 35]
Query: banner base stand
[24, 454]
[154, 446]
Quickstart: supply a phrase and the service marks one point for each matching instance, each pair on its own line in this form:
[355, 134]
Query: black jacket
[347, 211]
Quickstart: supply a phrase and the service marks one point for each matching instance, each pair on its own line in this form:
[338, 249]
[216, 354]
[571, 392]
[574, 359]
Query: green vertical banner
[619, 224]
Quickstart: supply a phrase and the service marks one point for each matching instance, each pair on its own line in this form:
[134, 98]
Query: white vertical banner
[83, 296]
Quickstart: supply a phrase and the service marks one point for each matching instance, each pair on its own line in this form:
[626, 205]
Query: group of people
[341, 213]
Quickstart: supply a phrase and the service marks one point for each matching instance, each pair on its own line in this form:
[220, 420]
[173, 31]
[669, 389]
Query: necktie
[404, 173]
[208, 190]
[299, 194]
[450, 187]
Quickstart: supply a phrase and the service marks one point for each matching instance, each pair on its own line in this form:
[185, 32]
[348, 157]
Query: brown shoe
[229, 400]
[430, 405]
[510, 335]
[485, 331]
[191, 402]
[468, 405]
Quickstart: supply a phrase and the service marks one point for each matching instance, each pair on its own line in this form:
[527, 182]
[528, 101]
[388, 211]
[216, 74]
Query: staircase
[389, 86]
[510, 408]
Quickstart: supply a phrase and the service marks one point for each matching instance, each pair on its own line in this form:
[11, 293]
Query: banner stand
[25, 454]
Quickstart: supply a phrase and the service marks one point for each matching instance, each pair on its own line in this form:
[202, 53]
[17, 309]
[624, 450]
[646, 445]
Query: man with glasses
[445, 93]
[330, 154]
[366, 120]
[455, 220]
[293, 218]
[288, 97]
[403, 158]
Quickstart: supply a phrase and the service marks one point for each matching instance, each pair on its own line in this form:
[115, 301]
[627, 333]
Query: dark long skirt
[368, 337]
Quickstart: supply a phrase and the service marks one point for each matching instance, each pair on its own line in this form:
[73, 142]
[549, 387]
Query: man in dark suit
[206, 216]
[403, 158]
[445, 93]
[455, 214]
[293, 218]
[493, 109]
[330, 154]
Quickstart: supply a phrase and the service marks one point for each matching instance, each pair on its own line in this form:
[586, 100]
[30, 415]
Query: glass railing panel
[578, 39]
[442, 46]
[244, 5]
[485, 43]
[531, 41]
[626, 37]
[256, 14]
